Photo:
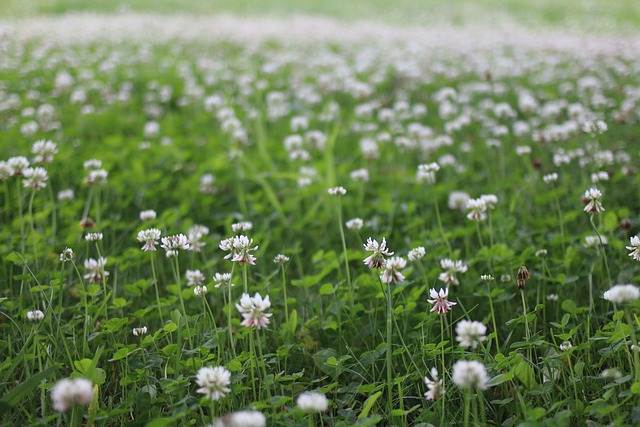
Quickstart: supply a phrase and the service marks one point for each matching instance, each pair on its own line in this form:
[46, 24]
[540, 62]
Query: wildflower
[148, 215]
[66, 195]
[241, 226]
[470, 373]
[594, 241]
[592, 196]
[172, 244]
[505, 278]
[150, 238]
[96, 176]
[565, 346]
[312, 402]
[194, 277]
[427, 173]
[195, 235]
[354, 224]
[239, 248]
[522, 277]
[200, 291]
[337, 191]
[93, 237]
[246, 418]
[6, 170]
[477, 210]
[416, 254]
[66, 255]
[487, 278]
[541, 253]
[67, 392]
[552, 297]
[611, 374]
[214, 382]
[222, 279]
[435, 386]
[634, 248]
[377, 258]
[620, 294]
[594, 127]
[441, 305]
[391, 274]
[18, 164]
[451, 268]
[549, 178]
[44, 151]
[490, 200]
[470, 333]
[92, 164]
[599, 176]
[35, 178]
[458, 200]
[95, 270]
[139, 331]
[361, 175]
[281, 259]
[253, 310]
[206, 183]
[35, 315]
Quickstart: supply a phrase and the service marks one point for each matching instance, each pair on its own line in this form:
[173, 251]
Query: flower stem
[389, 350]
[604, 253]
[444, 236]
[155, 284]
[344, 252]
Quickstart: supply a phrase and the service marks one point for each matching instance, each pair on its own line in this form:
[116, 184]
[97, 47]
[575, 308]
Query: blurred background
[607, 16]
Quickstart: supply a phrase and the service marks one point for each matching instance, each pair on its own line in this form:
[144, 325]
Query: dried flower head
[522, 277]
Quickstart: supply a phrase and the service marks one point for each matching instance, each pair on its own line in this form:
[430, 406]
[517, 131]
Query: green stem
[444, 237]
[493, 317]
[389, 350]
[155, 285]
[344, 251]
[604, 253]
[176, 274]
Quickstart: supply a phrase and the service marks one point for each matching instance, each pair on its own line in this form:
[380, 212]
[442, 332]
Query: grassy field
[604, 16]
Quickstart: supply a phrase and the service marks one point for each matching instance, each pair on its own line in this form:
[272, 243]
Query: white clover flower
[96, 176]
[6, 171]
[611, 374]
[18, 164]
[172, 244]
[620, 294]
[66, 255]
[594, 241]
[66, 195]
[451, 267]
[281, 259]
[490, 200]
[441, 304]
[312, 402]
[206, 183]
[458, 200]
[391, 274]
[246, 418]
[195, 235]
[241, 226]
[67, 392]
[200, 291]
[377, 258]
[360, 175]
[240, 249]
[337, 191]
[253, 310]
[435, 386]
[194, 277]
[565, 346]
[549, 178]
[594, 127]
[222, 279]
[427, 173]
[470, 333]
[552, 297]
[416, 254]
[92, 164]
[541, 253]
[470, 373]
[593, 196]
[477, 209]
[214, 382]
[35, 178]
[150, 238]
[95, 272]
[44, 151]
[93, 237]
[355, 224]
[35, 315]
[139, 331]
[599, 176]
[487, 278]
[634, 248]
[148, 215]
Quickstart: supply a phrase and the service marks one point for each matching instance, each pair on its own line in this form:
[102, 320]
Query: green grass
[605, 16]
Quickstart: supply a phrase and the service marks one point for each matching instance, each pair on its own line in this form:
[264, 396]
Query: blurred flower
[222, 279]
[354, 224]
[620, 294]
[240, 227]
[470, 333]
[44, 151]
[253, 310]
[93, 237]
[435, 386]
[200, 291]
[281, 259]
[634, 248]
[139, 331]
[95, 272]
[565, 346]
[477, 210]
[312, 402]
[391, 274]
[522, 277]
[66, 255]
[35, 315]
[194, 277]
[468, 374]
[246, 418]
[451, 268]
[150, 238]
[147, 215]
[35, 178]
[416, 254]
[68, 392]
[337, 191]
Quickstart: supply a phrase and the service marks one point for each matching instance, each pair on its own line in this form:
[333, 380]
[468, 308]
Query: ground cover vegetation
[209, 233]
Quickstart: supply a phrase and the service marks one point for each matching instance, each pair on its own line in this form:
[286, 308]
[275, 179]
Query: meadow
[281, 233]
